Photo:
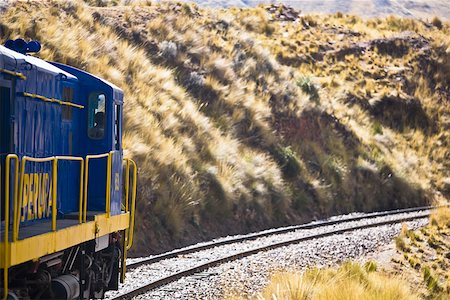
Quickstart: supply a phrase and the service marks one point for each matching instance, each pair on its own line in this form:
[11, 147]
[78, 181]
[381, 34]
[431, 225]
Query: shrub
[308, 87]
[441, 217]
[430, 280]
[287, 159]
[299, 200]
[437, 22]
[370, 266]
[168, 50]
[195, 80]
[401, 244]
[377, 128]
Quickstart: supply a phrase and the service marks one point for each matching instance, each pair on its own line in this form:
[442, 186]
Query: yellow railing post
[86, 179]
[6, 249]
[129, 232]
[127, 184]
[80, 220]
[133, 205]
[108, 182]
[17, 203]
[6, 241]
[54, 193]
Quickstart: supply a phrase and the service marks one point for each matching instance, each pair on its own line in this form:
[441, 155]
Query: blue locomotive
[67, 193]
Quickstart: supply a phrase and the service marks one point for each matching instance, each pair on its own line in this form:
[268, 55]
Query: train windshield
[97, 115]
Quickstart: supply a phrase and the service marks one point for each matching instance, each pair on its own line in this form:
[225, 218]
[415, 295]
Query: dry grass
[441, 217]
[264, 122]
[350, 281]
[423, 256]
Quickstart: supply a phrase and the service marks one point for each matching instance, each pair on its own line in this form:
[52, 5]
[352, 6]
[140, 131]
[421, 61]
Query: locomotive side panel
[43, 129]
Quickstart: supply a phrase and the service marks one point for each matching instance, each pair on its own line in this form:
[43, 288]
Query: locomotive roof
[76, 70]
[17, 59]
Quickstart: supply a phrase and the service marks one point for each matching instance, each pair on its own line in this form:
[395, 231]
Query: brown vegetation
[423, 255]
[349, 281]
[240, 120]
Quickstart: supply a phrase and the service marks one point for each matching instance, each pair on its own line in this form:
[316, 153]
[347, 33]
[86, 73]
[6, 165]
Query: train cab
[67, 193]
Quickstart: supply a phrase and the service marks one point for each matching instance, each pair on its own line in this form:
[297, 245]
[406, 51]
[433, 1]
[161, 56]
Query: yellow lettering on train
[37, 196]
[30, 215]
[37, 191]
[39, 207]
[26, 184]
[49, 198]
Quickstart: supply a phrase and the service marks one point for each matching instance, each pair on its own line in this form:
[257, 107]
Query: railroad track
[420, 212]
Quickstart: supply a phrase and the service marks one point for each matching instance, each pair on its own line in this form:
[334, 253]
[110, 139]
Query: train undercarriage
[85, 271]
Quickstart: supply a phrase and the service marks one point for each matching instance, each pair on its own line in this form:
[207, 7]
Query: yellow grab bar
[55, 193]
[54, 160]
[127, 183]
[133, 203]
[52, 100]
[108, 182]
[7, 199]
[17, 74]
[128, 233]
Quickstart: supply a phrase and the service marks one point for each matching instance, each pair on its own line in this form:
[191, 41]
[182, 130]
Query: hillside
[244, 119]
[364, 8]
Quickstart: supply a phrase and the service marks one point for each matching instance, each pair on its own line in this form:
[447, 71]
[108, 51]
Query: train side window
[68, 97]
[97, 116]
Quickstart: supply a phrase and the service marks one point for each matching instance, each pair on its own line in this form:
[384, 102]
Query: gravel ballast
[249, 275]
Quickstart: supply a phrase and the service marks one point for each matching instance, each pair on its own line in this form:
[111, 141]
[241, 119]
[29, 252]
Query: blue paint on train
[31, 126]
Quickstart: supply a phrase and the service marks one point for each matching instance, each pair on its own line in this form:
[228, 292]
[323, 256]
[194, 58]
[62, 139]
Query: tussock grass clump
[309, 87]
[431, 281]
[350, 281]
[441, 217]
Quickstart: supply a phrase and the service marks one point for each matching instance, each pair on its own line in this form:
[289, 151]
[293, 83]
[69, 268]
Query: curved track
[253, 236]
[203, 266]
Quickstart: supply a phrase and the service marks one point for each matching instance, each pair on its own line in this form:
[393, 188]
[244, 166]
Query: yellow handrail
[17, 74]
[133, 205]
[127, 183]
[54, 160]
[52, 100]
[5, 250]
[84, 173]
[55, 193]
[128, 233]
[80, 159]
[7, 199]
[108, 182]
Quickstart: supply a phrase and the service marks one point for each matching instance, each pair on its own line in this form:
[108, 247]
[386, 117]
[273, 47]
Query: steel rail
[202, 267]
[254, 236]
